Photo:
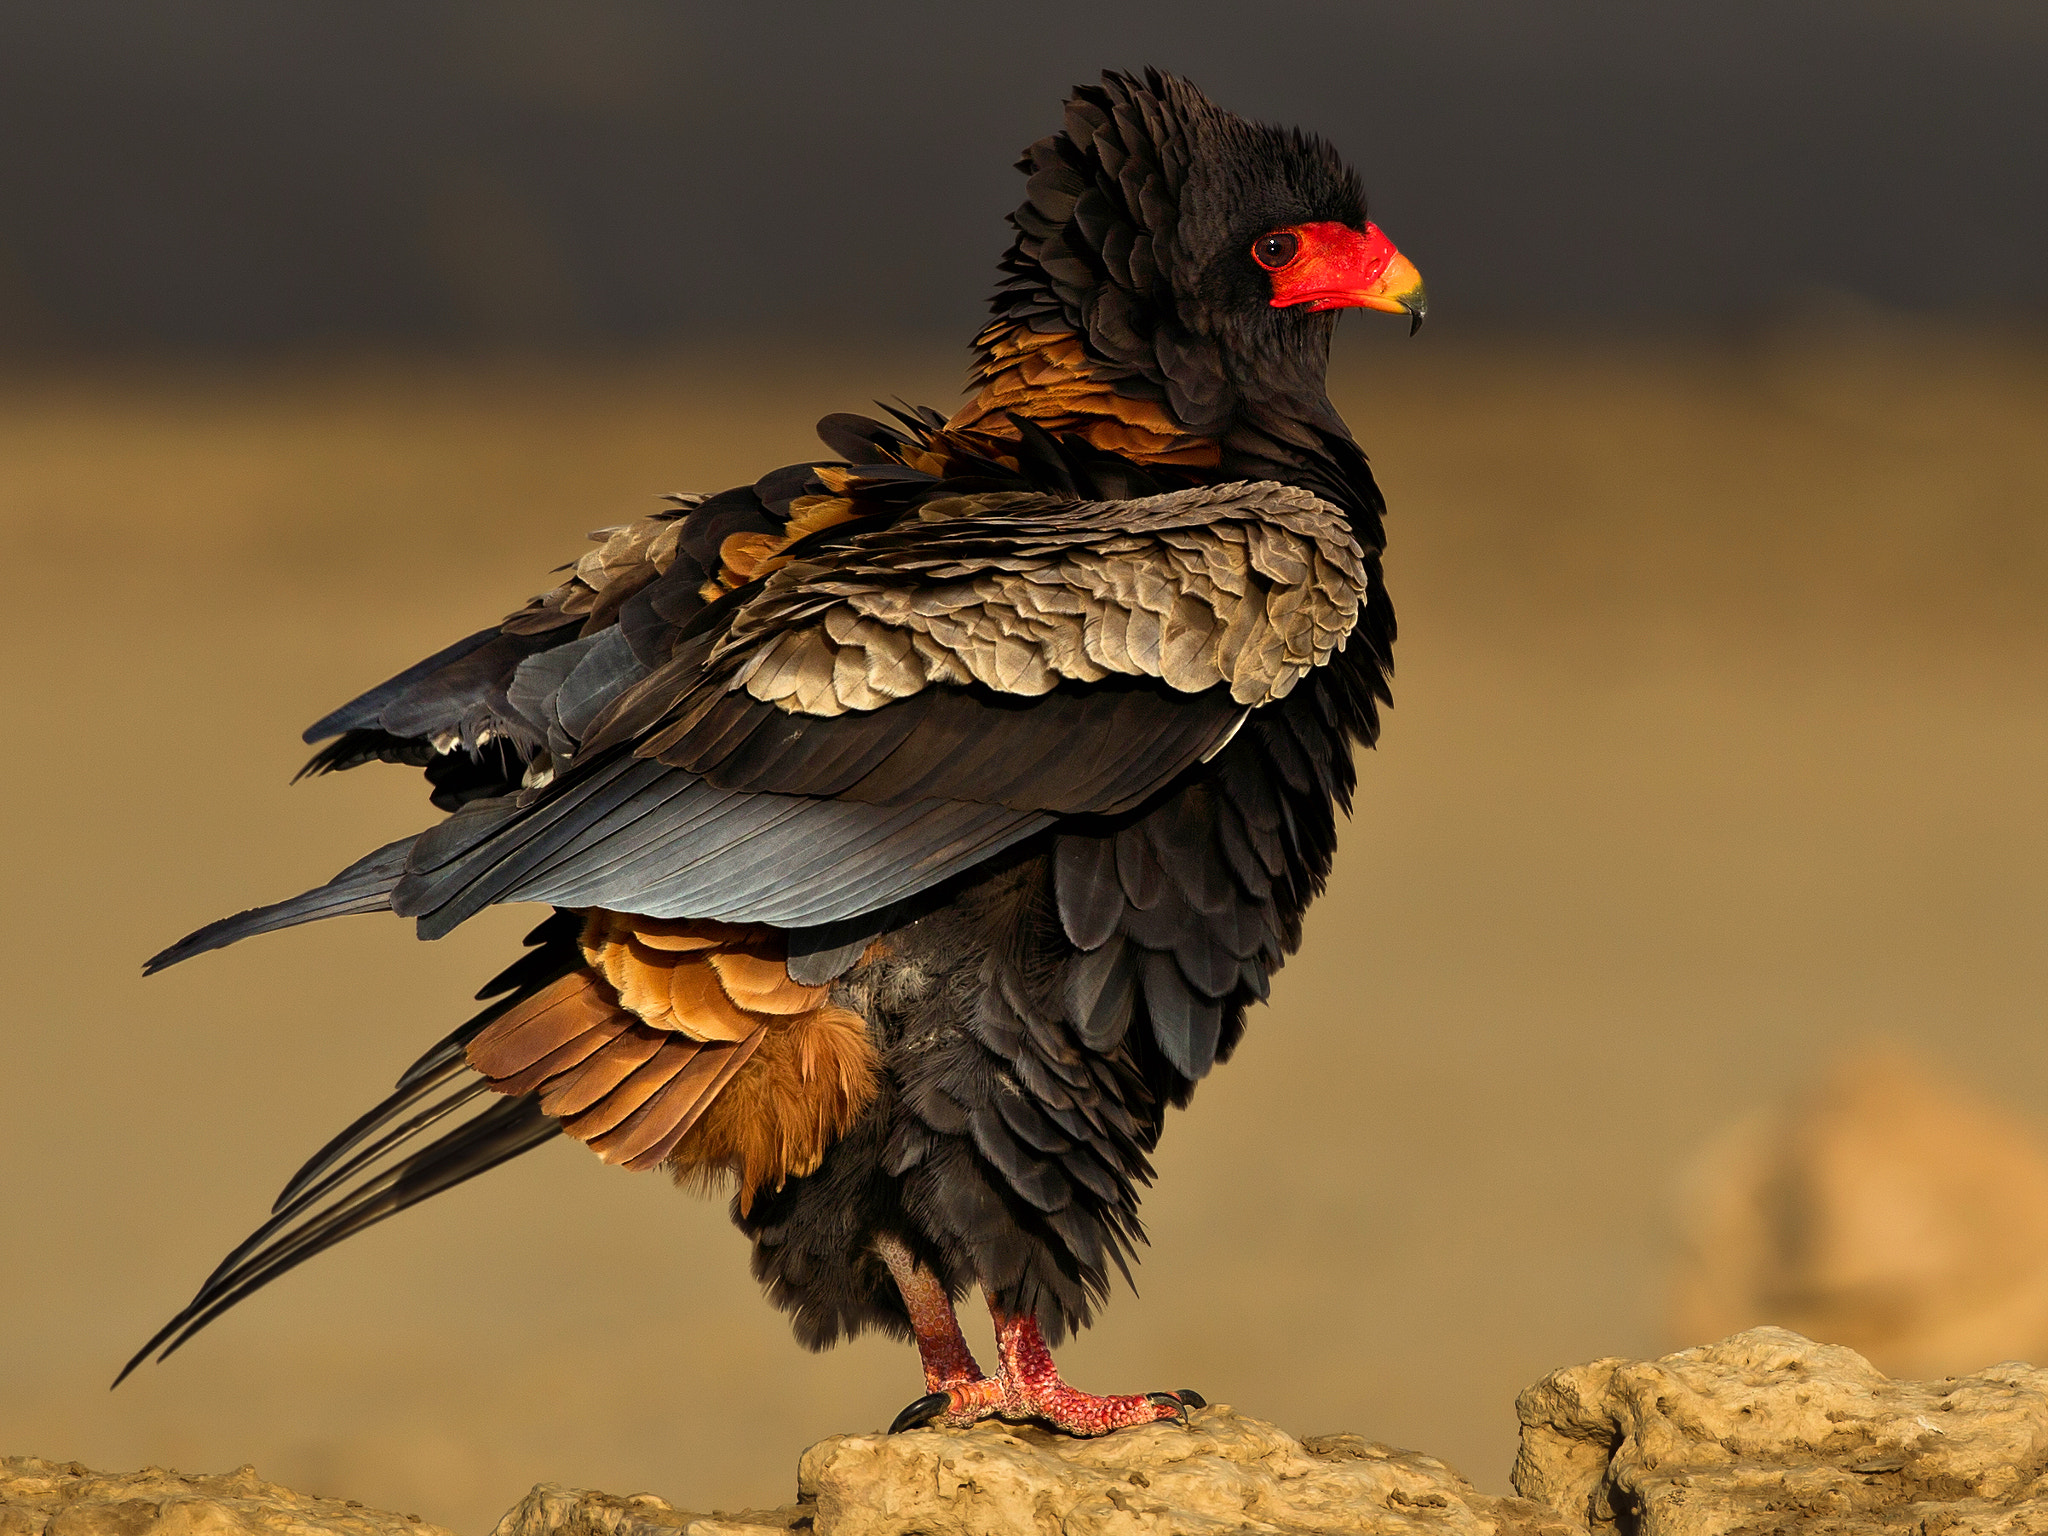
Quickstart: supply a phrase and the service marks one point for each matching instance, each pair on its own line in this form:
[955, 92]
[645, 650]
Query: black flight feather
[365, 886]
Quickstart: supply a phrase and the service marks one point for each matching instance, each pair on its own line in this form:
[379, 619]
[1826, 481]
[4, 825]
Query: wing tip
[197, 942]
[365, 886]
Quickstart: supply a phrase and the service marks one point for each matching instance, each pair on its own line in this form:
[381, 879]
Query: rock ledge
[62, 1498]
[1769, 1432]
[1222, 1473]
[1763, 1434]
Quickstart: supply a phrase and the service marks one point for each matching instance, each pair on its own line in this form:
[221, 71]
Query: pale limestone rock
[1763, 1434]
[1881, 1207]
[1768, 1432]
[62, 1498]
[552, 1510]
[1220, 1474]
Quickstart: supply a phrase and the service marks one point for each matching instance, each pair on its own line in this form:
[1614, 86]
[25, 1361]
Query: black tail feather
[555, 956]
[378, 1167]
[330, 1169]
[303, 1192]
[499, 1134]
[365, 886]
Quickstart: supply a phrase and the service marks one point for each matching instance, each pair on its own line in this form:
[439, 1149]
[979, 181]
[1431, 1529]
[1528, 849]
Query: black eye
[1274, 251]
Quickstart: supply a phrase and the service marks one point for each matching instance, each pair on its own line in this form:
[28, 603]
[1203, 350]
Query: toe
[1170, 1404]
[923, 1411]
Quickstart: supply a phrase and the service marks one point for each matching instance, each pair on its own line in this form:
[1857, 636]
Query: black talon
[1192, 1398]
[923, 1411]
[1171, 1400]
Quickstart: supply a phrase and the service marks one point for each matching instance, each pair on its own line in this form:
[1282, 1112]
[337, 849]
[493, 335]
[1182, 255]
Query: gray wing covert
[887, 711]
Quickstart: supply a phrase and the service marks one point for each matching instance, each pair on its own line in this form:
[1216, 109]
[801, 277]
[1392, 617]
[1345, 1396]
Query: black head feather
[1136, 234]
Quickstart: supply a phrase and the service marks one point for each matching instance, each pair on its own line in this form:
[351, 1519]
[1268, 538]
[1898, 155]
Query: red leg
[1029, 1387]
[948, 1362]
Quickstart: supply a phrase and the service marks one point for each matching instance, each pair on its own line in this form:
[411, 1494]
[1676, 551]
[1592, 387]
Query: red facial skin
[1336, 267]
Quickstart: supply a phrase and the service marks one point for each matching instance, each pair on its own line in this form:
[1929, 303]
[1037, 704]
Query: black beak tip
[1416, 302]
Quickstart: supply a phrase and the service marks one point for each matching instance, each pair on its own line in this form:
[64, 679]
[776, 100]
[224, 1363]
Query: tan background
[1718, 750]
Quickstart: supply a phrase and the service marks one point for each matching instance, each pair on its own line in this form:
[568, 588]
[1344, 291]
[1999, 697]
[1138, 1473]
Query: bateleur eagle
[919, 822]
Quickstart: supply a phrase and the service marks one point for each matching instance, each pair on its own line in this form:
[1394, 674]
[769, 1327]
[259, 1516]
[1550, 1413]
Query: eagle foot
[1026, 1386]
[1053, 1404]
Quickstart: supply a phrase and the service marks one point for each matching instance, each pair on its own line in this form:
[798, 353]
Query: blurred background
[1683, 966]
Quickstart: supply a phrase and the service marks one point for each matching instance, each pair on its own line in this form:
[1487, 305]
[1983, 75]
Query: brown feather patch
[670, 1109]
[574, 1092]
[600, 1040]
[640, 1086]
[755, 1074]
[668, 973]
[1048, 377]
[744, 556]
[687, 1043]
[729, 1063]
[543, 1023]
[760, 982]
[810, 1078]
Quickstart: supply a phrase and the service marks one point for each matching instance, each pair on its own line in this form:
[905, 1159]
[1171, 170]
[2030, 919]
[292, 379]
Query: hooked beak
[1399, 291]
[1339, 268]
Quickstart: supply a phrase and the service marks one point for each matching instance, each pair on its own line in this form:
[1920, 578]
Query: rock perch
[1763, 1434]
[1768, 1432]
